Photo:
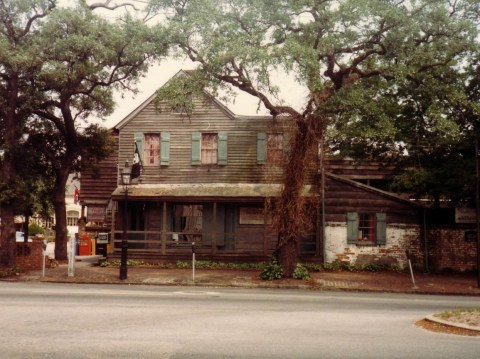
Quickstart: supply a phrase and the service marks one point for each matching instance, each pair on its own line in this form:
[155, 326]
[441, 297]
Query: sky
[291, 93]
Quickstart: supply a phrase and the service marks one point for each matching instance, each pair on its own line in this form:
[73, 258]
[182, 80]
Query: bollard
[71, 257]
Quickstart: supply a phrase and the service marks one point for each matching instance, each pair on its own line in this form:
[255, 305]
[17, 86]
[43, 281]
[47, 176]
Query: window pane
[209, 148]
[152, 149]
[274, 148]
[366, 227]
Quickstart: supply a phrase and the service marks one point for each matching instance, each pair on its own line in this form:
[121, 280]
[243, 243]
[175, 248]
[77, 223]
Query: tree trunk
[292, 217]
[61, 237]
[8, 248]
[8, 252]
[287, 257]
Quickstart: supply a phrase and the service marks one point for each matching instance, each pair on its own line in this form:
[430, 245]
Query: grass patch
[449, 314]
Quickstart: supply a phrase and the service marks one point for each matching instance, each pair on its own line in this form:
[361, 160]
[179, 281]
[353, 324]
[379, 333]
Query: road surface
[119, 321]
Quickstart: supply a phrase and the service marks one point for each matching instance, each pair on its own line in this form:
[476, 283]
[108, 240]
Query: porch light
[125, 180]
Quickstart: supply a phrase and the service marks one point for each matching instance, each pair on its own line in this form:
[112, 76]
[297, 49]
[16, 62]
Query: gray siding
[242, 132]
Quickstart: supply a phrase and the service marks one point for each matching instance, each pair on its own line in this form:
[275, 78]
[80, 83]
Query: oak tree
[338, 52]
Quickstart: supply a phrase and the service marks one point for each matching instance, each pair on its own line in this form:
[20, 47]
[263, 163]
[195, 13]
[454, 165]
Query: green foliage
[393, 81]
[9, 272]
[340, 266]
[376, 267]
[271, 270]
[35, 229]
[312, 267]
[345, 266]
[181, 264]
[301, 272]
[455, 313]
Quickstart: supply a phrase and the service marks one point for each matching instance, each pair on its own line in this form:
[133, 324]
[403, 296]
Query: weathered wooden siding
[341, 198]
[242, 132]
[367, 170]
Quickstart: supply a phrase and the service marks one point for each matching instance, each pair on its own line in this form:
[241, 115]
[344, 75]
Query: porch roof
[205, 191]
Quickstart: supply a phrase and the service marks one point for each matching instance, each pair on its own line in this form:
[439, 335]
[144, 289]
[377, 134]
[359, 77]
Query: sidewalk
[88, 271]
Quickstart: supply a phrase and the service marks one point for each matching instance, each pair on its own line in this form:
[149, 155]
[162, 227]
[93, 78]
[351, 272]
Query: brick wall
[449, 247]
[400, 237]
[30, 255]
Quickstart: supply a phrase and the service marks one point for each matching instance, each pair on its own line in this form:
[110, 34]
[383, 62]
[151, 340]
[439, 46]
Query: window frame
[140, 148]
[378, 229]
[147, 152]
[199, 149]
[267, 153]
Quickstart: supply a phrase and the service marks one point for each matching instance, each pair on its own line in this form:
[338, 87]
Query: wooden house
[205, 178]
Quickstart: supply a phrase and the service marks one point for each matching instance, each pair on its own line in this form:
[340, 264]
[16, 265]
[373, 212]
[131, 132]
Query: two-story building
[206, 177]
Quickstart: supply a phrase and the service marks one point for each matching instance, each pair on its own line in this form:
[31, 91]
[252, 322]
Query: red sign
[96, 213]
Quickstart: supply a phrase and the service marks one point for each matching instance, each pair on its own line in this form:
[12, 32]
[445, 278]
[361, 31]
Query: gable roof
[149, 100]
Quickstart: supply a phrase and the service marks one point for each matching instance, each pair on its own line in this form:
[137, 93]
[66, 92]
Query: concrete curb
[435, 319]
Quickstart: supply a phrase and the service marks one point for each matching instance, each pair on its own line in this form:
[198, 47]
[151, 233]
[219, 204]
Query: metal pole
[193, 261]
[123, 258]
[411, 273]
[407, 253]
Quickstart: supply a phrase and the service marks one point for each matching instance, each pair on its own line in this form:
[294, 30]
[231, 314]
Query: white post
[71, 256]
[44, 255]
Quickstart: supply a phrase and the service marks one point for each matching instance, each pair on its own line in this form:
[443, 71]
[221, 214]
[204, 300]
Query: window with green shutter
[196, 148]
[165, 148]
[261, 148]
[222, 148]
[209, 148]
[366, 228]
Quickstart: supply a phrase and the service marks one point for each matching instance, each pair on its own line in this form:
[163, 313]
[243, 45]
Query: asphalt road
[95, 321]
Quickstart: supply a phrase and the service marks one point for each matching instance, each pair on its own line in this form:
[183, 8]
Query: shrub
[271, 270]
[376, 267]
[338, 265]
[301, 272]
[34, 229]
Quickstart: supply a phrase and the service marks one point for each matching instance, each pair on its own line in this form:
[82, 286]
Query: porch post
[164, 228]
[265, 224]
[112, 228]
[214, 229]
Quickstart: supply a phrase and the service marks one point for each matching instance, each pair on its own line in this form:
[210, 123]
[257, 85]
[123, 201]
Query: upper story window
[270, 148]
[152, 149]
[366, 228]
[209, 148]
[275, 148]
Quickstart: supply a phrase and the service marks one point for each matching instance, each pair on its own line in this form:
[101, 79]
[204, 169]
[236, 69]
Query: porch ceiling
[205, 190]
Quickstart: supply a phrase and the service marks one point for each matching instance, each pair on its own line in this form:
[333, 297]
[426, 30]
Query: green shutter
[222, 148]
[196, 148]
[164, 148]
[352, 227]
[381, 228]
[138, 144]
[261, 148]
